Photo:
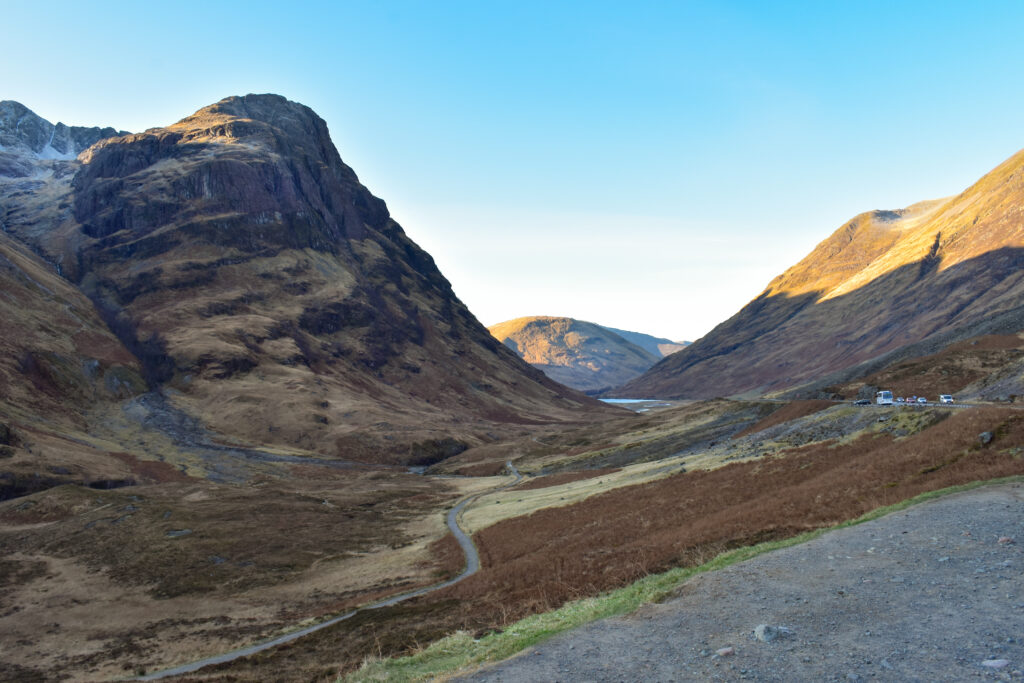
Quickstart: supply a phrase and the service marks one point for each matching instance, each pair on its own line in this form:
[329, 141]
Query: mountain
[886, 283]
[579, 354]
[25, 134]
[262, 289]
[657, 346]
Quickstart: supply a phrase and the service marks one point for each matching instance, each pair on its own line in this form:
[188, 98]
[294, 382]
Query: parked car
[945, 398]
[922, 399]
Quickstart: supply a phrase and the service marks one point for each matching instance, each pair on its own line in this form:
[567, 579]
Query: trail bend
[472, 566]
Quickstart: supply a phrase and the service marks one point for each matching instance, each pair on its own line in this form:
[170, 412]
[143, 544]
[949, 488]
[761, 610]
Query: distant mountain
[261, 288]
[887, 282]
[658, 346]
[579, 354]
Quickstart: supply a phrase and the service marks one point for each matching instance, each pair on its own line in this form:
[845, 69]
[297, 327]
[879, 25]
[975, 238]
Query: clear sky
[644, 165]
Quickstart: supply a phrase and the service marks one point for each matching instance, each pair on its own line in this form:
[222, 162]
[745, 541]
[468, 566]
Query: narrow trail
[472, 566]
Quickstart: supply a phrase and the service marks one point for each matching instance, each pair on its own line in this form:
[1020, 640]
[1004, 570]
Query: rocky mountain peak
[260, 163]
[268, 120]
[23, 131]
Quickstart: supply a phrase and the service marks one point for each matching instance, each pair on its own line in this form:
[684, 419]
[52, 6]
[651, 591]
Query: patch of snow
[49, 152]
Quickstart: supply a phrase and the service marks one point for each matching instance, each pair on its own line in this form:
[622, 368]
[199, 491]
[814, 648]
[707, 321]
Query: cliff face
[268, 292]
[940, 270]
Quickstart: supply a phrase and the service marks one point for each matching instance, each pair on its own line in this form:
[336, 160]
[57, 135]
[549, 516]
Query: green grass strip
[460, 652]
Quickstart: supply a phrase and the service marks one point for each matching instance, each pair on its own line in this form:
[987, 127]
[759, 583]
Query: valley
[238, 402]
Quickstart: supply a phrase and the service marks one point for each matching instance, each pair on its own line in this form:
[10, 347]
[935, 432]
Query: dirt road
[932, 593]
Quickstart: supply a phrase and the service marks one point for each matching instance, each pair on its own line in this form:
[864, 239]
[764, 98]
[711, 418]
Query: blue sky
[647, 165]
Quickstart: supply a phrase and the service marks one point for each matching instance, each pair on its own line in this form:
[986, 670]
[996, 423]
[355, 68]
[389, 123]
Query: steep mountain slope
[576, 353]
[887, 279]
[59, 363]
[265, 290]
[57, 357]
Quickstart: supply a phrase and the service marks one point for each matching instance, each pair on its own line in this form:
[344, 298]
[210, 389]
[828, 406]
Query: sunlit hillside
[577, 353]
[943, 270]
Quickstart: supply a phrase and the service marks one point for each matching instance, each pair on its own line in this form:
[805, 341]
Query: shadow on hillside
[780, 341]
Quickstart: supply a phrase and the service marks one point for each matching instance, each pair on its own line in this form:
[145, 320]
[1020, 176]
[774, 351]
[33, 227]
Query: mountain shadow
[781, 341]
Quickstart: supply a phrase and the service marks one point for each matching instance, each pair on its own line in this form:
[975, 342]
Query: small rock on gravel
[766, 633]
[995, 663]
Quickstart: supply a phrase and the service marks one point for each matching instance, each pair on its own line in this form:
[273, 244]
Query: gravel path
[931, 593]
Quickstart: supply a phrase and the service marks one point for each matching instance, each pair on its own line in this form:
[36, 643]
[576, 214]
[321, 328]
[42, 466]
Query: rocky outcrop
[943, 270]
[21, 131]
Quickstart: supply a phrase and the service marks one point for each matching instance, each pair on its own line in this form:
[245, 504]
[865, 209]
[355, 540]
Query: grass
[496, 507]
[461, 652]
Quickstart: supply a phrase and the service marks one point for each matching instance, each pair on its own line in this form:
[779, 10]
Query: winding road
[472, 566]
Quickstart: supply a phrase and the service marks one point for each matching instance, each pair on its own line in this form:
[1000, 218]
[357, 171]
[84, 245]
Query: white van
[883, 398]
[945, 398]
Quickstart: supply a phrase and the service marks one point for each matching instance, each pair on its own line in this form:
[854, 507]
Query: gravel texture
[932, 593]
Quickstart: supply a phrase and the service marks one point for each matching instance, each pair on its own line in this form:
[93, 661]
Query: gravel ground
[931, 593]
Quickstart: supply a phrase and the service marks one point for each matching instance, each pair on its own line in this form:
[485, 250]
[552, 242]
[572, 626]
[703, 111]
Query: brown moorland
[108, 583]
[537, 562]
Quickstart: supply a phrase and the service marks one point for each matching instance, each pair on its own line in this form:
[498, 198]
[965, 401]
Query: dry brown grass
[127, 587]
[563, 478]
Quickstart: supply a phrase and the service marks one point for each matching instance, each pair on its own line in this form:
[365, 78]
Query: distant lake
[628, 400]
